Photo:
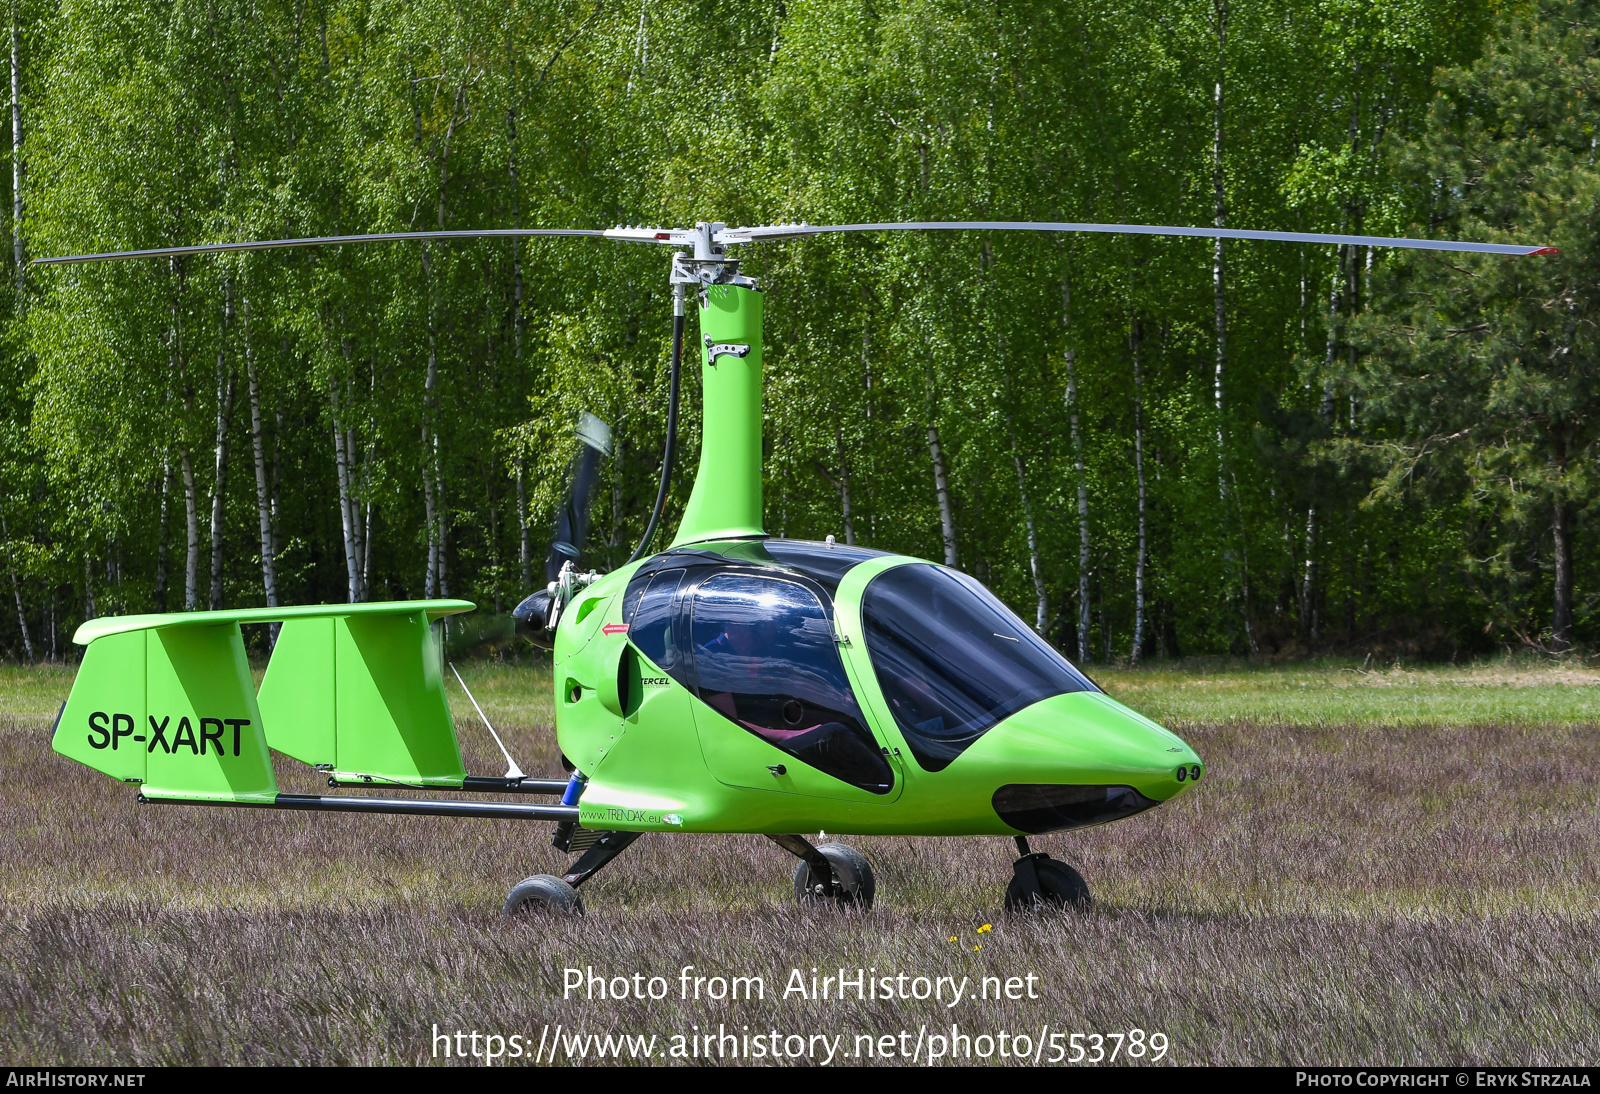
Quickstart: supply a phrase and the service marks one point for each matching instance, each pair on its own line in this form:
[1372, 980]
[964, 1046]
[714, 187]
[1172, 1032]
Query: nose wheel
[1039, 881]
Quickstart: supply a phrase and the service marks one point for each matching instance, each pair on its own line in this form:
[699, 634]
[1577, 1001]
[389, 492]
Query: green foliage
[1482, 384]
[402, 390]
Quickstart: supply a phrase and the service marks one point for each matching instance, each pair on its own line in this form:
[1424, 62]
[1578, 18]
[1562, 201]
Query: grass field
[1396, 865]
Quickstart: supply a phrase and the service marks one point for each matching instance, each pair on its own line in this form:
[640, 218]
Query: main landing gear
[1039, 881]
[831, 874]
[559, 895]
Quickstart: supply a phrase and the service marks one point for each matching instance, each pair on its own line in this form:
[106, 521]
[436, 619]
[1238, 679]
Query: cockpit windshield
[952, 660]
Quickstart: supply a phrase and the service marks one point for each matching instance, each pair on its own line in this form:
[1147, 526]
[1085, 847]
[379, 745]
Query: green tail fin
[168, 700]
[174, 709]
[363, 695]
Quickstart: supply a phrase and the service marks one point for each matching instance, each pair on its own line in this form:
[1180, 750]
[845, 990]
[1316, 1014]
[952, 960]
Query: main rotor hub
[709, 264]
[703, 264]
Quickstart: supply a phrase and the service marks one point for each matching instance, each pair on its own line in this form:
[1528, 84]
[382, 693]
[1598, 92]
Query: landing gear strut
[544, 893]
[1039, 881]
[832, 873]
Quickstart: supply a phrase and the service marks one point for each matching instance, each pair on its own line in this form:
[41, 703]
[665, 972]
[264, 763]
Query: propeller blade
[572, 523]
[793, 231]
[318, 241]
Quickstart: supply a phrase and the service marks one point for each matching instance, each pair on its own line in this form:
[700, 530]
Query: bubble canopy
[952, 660]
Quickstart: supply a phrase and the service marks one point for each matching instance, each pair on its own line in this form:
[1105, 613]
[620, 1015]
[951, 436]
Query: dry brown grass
[1330, 895]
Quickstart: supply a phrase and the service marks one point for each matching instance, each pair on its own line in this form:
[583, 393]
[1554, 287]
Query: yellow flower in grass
[985, 929]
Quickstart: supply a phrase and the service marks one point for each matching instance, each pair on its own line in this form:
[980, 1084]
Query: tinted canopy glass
[765, 659]
[952, 660]
[650, 616]
[824, 564]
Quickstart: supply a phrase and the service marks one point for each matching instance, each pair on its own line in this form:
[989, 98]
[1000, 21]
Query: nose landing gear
[1039, 881]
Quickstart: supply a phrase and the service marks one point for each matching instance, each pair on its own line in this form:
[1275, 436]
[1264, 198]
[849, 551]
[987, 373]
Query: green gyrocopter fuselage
[734, 682]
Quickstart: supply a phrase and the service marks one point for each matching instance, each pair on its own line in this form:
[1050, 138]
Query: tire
[543, 894]
[857, 887]
[1063, 887]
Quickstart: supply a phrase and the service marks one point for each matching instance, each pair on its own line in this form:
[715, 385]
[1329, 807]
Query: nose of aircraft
[1099, 758]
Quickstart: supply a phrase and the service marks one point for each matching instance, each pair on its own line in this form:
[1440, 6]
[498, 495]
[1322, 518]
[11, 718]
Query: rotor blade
[789, 231]
[672, 237]
[317, 241]
[572, 522]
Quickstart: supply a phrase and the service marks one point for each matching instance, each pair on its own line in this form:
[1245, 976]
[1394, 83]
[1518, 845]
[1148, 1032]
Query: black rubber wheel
[857, 887]
[1063, 887]
[543, 894]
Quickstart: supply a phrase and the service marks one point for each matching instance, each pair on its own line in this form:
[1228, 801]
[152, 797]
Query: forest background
[1149, 447]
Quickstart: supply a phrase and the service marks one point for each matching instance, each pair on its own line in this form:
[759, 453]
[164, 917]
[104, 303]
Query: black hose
[672, 439]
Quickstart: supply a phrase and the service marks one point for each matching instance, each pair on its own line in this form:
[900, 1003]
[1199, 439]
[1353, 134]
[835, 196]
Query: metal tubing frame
[418, 807]
[474, 784]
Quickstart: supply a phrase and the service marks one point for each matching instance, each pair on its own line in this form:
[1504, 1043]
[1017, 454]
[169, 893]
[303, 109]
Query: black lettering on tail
[158, 734]
[100, 728]
[214, 736]
[185, 736]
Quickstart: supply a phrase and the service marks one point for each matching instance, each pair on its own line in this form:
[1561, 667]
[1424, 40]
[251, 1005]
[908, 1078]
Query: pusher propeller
[572, 522]
[536, 617]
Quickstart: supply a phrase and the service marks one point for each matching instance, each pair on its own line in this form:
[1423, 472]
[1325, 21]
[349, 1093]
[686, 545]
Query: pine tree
[1483, 375]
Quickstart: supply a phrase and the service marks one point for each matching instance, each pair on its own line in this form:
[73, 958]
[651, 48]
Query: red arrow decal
[614, 628]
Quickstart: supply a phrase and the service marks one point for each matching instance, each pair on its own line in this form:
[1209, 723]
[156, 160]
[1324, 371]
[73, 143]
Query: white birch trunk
[269, 562]
[161, 536]
[16, 591]
[1236, 563]
[18, 254]
[432, 480]
[1138, 469]
[226, 386]
[1308, 585]
[277, 480]
[524, 547]
[844, 488]
[941, 486]
[1218, 268]
[444, 525]
[347, 505]
[362, 482]
[191, 508]
[430, 500]
[1041, 595]
[1085, 654]
[524, 544]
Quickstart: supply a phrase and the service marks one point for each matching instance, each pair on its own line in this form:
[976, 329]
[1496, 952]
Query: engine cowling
[532, 618]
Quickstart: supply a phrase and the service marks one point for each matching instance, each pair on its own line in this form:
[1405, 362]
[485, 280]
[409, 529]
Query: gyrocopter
[733, 682]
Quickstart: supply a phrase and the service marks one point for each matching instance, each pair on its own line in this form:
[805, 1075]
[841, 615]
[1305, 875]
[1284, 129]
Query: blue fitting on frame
[574, 789]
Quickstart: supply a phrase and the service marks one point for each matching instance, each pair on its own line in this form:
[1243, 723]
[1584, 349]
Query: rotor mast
[725, 502]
